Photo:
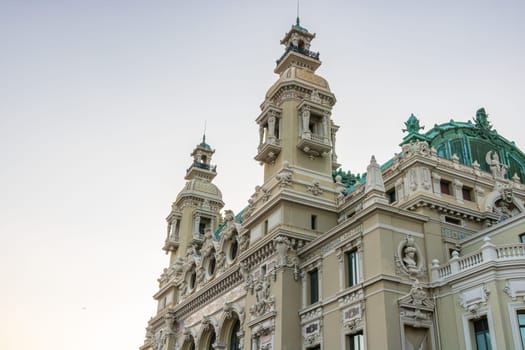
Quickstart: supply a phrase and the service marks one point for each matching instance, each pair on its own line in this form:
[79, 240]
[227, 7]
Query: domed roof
[471, 141]
[201, 188]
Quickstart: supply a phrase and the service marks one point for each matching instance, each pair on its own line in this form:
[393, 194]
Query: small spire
[204, 133]
[297, 20]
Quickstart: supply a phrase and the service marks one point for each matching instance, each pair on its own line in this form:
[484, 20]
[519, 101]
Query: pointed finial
[298, 21]
[204, 133]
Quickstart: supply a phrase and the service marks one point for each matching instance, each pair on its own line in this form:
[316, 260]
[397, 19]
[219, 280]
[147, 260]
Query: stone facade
[424, 252]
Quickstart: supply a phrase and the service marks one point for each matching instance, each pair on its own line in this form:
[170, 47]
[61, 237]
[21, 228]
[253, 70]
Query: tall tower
[197, 207]
[295, 124]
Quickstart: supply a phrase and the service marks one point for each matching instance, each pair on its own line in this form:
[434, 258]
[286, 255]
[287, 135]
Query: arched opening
[210, 268]
[193, 279]
[234, 248]
[189, 344]
[211, 341]
[234, 340]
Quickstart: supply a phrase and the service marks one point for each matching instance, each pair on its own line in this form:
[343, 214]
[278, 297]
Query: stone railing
[487, 253]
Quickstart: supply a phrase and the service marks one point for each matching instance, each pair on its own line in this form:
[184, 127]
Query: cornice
[355, 220]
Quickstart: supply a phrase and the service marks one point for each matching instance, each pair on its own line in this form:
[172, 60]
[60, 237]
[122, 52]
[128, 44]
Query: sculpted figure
[409, 258]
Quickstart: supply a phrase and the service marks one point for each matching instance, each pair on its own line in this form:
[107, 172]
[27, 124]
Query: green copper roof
[470, 141]
[203, 144]
[297, 26]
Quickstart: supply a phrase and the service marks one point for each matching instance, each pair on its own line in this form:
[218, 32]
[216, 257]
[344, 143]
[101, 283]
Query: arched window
[193, 279]
[211, 342]
[233, 249]
[234, 337]
[211, 265]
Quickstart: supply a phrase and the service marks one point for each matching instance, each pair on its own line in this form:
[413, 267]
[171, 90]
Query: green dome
[470, 141]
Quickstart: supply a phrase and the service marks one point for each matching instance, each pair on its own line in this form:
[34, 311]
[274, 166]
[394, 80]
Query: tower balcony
[305, 52]
[171, 244]
[202, 170]
[314, 145]
[269, 151]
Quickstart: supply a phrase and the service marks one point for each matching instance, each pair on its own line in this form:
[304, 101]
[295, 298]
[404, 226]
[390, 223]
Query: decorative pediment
[515, 289]
[471, 300]
[417, 298]
[416, 308]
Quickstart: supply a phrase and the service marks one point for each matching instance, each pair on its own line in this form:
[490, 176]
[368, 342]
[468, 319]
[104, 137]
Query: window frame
[311, 287]
[349, 337]
[352, 268]
[468, 318]
[443, 183]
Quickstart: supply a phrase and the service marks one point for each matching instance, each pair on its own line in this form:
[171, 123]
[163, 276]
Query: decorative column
[333, 130]
[400, 192]
[360, 253]
[436, 179]
[261, 135]
[305, 117]
[304, 286]
[341, 260]
[271, 128]
[458, 190]
[325, 127]
[196, 223]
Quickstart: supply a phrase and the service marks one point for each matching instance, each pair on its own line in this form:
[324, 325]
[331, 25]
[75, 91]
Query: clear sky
[101, 103]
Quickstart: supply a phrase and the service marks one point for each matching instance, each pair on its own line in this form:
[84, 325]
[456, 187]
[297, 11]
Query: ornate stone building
[423, 252]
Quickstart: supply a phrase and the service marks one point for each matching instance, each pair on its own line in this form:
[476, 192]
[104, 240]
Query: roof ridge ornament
[481, 120]
[412, 125]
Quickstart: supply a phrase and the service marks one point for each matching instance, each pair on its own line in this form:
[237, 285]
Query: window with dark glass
[211, 265]
[193, 279]
[467, 193]
[445, 187]
[233, 249]
[522, 238]
[314, 285]
[521, 323]
[313, 222]
[234, 337]
[451, 220]
[352, 268]
[317, 347]
[211, 342]
[265, 226]
[391, 195]
[355, 341]
[481, 334]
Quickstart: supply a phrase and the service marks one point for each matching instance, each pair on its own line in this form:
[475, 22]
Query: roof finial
[297, 21]
[204, 133]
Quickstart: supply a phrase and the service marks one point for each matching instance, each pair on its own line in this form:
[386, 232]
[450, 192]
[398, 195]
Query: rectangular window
[467, 193]
[355, 341]
[314, 286]
[352, 268]
[481, 334]
[521, 323]
[445, 187]
[391, 195]
[522, 238]
[313, 222]
[451, 220]
[317, 347]
[265, 226]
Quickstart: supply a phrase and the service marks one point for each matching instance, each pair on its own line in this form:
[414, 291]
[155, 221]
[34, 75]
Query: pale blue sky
[101, 103]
